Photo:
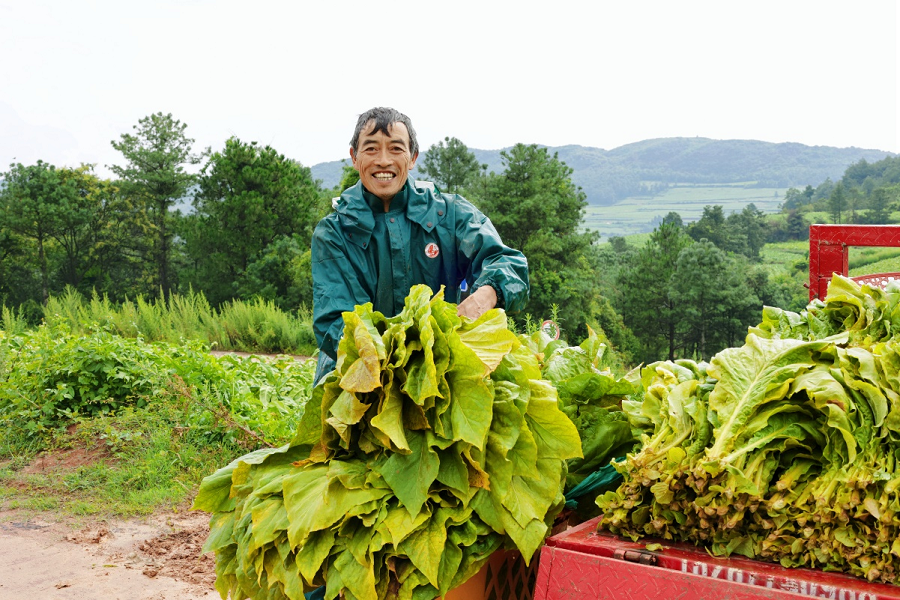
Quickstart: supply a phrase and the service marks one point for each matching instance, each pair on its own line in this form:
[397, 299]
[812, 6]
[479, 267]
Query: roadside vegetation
[92, 422]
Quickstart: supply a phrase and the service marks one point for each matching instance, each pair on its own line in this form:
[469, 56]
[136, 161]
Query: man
[387, 234]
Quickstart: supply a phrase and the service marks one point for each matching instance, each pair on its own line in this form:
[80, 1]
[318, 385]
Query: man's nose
[383, 157]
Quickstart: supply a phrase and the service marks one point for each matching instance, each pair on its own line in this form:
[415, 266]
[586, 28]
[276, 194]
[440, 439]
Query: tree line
[868, 193]
[247, 236]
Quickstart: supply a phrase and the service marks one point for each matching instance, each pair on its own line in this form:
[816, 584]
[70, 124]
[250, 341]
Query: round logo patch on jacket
[432, 250]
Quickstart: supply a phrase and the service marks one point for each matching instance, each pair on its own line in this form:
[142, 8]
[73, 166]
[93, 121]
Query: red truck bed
[581, 563]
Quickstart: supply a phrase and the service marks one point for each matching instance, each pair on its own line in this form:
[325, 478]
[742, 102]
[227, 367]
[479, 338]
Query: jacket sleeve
[336, 285]
[490, 261]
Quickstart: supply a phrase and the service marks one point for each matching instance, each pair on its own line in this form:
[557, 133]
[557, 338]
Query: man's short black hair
[384, 117]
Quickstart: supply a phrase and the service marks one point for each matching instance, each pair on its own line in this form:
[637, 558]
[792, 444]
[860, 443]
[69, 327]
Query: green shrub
[51, 377]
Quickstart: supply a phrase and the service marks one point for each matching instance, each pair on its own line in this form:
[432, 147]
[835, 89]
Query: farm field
[784, 257]
[877, 260]
[640, 214]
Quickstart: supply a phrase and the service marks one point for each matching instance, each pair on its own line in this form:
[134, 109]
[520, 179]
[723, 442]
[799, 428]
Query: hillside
[646, 168]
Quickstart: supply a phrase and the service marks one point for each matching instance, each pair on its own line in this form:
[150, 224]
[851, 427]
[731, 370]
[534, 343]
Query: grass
[791, 259]
[251, 326]
[154, 470]
[865, 260]
[174, 415]
[641, 214]
[153, 456]
[785, 257]
[886, 265]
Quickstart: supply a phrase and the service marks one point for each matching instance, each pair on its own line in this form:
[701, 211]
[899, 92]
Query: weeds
[154, 417]
[251, 326]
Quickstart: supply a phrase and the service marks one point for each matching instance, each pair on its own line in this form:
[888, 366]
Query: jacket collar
[358, 220]
[422, 205]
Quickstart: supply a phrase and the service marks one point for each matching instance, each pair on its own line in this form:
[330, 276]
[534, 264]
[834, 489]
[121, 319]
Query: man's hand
[479, 302]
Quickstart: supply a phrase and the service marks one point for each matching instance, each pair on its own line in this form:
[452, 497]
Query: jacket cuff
[500, 301]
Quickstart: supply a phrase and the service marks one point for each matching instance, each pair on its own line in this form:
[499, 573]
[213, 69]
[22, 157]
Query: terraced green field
[785, 257]
[791, 257]
[641, 214]
[888, 261]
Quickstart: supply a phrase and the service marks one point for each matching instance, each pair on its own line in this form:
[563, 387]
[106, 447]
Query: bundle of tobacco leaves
[593, 397]
[784, 449]
[433, 443]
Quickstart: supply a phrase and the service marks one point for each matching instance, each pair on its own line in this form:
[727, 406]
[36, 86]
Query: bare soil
[63, 460]
[48, 557]
[156, 558]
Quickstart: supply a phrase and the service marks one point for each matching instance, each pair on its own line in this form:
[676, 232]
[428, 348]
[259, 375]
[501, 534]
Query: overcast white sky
[75, 75]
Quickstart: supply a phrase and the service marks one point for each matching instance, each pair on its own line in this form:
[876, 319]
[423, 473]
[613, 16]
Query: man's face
[383, 161]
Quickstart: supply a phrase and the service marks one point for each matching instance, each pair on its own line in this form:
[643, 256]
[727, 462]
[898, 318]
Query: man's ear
[412, 163]
[353, 158]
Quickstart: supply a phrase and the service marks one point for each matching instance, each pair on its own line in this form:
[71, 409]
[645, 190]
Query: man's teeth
[384, 176]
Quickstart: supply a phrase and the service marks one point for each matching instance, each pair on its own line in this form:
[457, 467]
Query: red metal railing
[828, 252]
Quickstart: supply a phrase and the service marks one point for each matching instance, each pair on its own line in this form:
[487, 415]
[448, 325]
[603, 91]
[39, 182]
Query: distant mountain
[608, 176]
[329, 173]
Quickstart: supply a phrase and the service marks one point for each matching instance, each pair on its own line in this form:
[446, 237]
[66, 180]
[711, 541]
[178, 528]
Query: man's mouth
[384, 176]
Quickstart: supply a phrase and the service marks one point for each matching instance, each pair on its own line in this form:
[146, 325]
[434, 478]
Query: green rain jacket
[362, 254]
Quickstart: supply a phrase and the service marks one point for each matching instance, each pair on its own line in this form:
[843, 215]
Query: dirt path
[157, 558]
[297, 357]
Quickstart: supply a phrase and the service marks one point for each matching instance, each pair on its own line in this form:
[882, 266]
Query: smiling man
[389, 232]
